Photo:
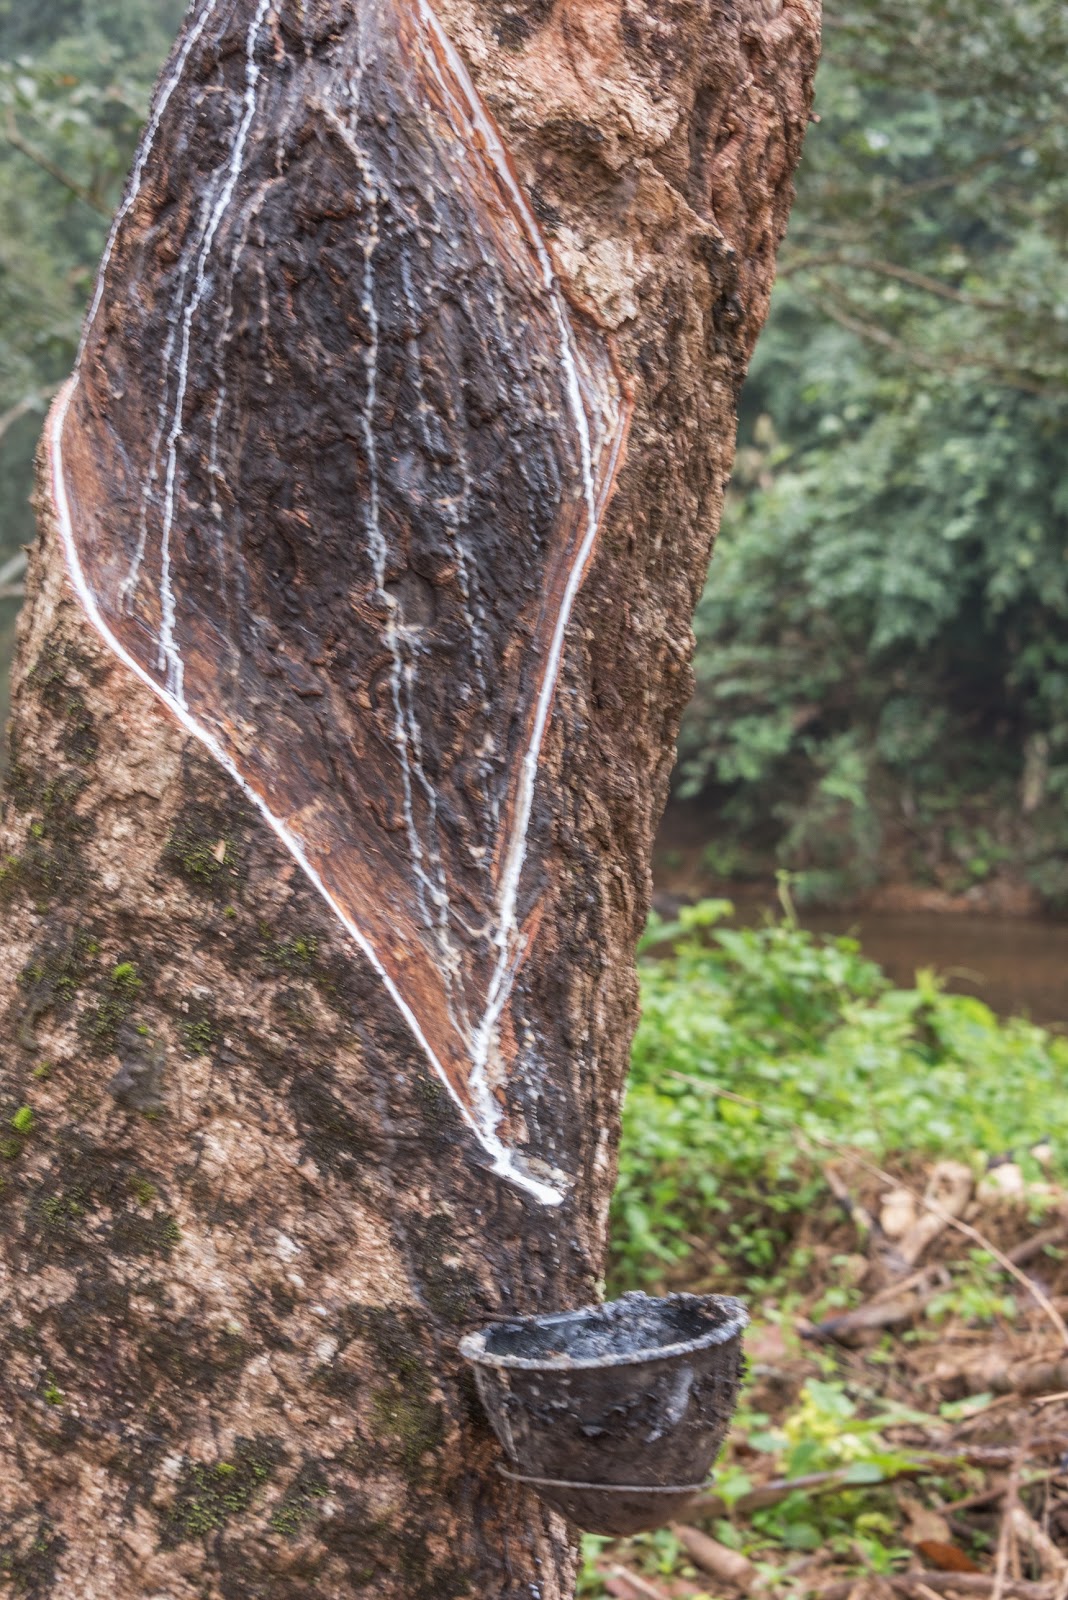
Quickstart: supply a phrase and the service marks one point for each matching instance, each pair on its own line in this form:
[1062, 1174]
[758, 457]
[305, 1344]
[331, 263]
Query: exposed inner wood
[346, 549]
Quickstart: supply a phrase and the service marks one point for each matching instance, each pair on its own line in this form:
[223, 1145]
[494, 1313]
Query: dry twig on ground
[1034, 1290]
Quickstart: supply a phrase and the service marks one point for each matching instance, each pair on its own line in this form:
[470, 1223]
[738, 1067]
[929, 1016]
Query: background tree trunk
[243, 1221]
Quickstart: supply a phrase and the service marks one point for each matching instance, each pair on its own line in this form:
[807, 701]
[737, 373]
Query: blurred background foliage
[75, 79]
[882, 657]
[882, 648]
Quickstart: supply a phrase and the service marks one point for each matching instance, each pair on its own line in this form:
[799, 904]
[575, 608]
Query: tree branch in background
[10, 572]
[39, 159]
[890, 269]
[31, 402]
[873, 333]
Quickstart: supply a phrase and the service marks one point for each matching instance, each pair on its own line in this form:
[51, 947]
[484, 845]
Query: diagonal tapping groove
[346, 546]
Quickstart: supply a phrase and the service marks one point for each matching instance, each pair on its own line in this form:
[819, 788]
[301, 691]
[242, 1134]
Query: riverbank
[981, 858]
[1017, 965]
[993, 942]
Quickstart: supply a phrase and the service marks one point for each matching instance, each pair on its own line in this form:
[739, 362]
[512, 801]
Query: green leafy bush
[816, 1045]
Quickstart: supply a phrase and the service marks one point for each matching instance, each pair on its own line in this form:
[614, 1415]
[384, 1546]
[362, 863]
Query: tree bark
[354, 650]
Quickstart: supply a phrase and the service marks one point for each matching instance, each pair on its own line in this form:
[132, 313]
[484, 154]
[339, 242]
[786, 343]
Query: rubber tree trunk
[357, 636]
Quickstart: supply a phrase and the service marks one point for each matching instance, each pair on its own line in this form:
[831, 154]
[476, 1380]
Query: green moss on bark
[302, 1501]
[28, 1561]
[211, 1494]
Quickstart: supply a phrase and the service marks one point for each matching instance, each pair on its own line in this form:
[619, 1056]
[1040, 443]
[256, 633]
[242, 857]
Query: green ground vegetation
[762, 1049]
[766, 1058]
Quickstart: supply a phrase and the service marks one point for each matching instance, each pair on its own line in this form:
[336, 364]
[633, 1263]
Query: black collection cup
[613, 1413]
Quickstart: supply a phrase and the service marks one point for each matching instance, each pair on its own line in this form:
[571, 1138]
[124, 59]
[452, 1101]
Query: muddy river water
[1017, 965]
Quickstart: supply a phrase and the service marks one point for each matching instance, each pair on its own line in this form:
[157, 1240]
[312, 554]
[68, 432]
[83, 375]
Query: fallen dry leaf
[946, 1557]
[897, 1213]
[949, 1188]
[923, 1525]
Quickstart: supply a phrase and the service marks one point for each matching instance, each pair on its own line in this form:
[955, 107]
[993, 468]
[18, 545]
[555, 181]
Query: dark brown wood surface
[379, 448]
[371, 525]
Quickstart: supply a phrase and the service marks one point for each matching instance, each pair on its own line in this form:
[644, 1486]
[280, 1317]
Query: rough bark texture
[247, 1207]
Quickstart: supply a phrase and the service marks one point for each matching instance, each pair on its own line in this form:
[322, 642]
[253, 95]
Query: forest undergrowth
[883, 1175]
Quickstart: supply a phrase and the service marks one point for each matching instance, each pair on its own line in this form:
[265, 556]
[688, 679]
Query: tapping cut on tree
[378, 683]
